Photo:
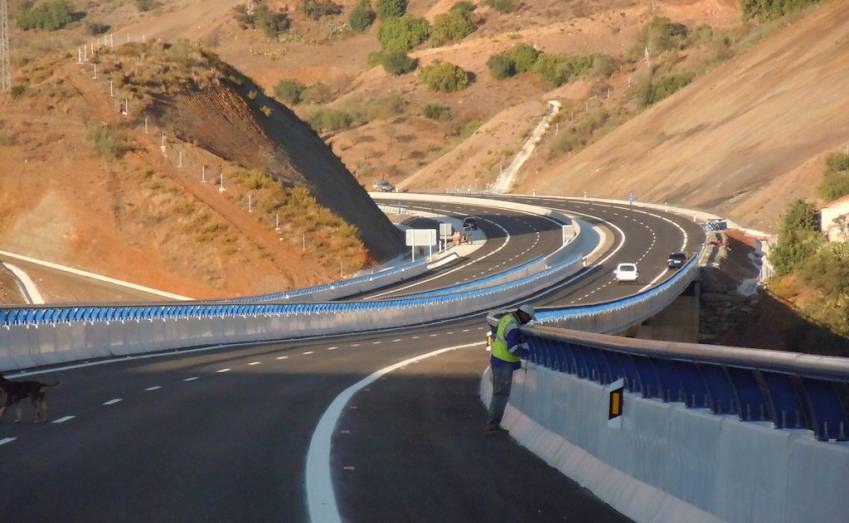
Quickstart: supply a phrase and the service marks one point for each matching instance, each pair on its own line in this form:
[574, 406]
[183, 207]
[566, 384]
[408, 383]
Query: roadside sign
[568, 232]
[630, 198]
[445, 230]
[421, 237]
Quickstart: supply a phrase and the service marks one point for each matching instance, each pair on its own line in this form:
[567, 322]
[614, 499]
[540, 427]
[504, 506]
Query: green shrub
[316, 9]
[656, 89]
[524, 56]
[404, 33]
[445, 77]
[835, 181]
[502, 6]
[661, 34]
[469, 128]
[289, 91]
[375, 58]
[397, 62]
[828, 271]
[451, 26]
[436, 111]
[501, 66]
[767, 9]
[107, 140]
[145, 5]
[362, 16]
[96, 28]
[574, 137]
[272, 23]
[391, 8]
[798, 237]
[557, 69]
[383, 107]
[18, 91]
[603, 65]
[331, 120]
[317, 93]
[47, 16]
[464, 7]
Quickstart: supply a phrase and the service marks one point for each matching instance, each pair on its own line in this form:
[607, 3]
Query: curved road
[223, 434]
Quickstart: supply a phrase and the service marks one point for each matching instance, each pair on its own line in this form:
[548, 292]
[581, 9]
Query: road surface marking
[254, 363]
[376, 342]
[307, 353]
[7, 440]
[332, 348]
[63, 420]
[433, 335]
[222, 370]
[193, 378]
[112, 402]
[416, 337]
[321, 500]
[282, 357]
[396, 340]
[355, 345]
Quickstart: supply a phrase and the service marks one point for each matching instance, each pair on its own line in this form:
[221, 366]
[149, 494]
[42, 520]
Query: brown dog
[15, 391]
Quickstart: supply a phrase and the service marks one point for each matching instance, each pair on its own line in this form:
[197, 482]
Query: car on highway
[626, 272]
[676, 260]
[384, 186]
[470, 222]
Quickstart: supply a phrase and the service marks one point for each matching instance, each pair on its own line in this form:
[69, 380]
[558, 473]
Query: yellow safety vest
[500, 349]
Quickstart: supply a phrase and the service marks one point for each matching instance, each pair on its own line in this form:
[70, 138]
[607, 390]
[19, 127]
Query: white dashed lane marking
[307, 353]
[332, 348]
[63, 419]
[282, 357]
[222, 370]
[254, 363]
[112, 402]
[193, 378]
[7, 440]
[155, 387]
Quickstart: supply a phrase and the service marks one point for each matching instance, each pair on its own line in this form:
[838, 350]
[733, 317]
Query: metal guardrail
[789, 390]
[350, 283]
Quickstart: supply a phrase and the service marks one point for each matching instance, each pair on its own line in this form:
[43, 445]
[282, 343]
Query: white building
[834, 219]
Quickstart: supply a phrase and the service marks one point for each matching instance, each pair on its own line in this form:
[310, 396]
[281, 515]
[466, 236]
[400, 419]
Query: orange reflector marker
[616, 403]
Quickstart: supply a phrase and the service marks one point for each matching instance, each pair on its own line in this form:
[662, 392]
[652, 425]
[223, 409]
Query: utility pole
[5, 64]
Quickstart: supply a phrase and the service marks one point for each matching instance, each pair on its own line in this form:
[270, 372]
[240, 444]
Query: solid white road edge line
[651, 283]
[321, 499]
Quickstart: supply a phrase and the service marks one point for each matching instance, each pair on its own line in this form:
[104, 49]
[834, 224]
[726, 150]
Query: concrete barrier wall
[669, 463]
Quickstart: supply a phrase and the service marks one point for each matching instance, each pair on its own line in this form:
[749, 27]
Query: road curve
[223, 434]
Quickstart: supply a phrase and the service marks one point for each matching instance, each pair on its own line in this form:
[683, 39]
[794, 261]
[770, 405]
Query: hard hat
[527, 309]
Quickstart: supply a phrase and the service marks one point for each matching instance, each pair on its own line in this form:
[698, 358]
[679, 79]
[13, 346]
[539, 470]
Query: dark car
[676, 260]
[470, 223]
[384, 186]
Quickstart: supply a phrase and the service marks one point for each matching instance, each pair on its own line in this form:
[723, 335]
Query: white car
[626, 272]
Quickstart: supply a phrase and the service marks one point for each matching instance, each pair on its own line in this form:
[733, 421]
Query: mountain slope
[743, 141]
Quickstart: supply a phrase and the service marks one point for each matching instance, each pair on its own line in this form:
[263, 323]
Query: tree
[398, 63]
[524, 57]
[451, 26]
[402, 34]
[391, 8]
[362, 16]
[798, 237]
[501, 66]
[48, 16]
[289, 91]
[835, 181]
[445, 77]
[502, 6]
[315, 9]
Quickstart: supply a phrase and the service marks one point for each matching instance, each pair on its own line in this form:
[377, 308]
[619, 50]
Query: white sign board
[421, 237]
[445, 230]
[568, 232]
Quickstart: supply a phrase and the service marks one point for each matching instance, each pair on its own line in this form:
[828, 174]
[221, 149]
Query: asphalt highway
[224, 434]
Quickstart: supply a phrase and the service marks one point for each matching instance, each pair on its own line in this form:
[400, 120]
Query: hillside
[84, 185]
[743, 141]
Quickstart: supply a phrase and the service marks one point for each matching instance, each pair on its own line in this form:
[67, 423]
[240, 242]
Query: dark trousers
[502, 382]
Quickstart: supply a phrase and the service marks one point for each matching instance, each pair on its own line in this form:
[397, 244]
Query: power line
[5, 64]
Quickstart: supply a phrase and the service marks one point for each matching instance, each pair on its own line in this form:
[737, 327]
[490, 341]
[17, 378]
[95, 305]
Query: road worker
[507, 349]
